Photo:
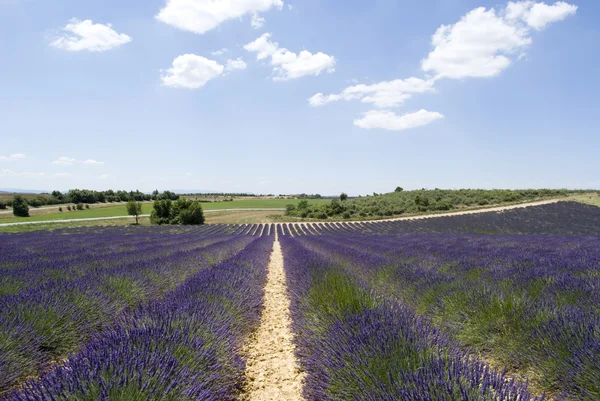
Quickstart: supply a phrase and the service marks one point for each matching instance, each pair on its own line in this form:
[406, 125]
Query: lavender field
[492, 306]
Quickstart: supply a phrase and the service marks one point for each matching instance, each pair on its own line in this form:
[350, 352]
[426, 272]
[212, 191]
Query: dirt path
[272, 372]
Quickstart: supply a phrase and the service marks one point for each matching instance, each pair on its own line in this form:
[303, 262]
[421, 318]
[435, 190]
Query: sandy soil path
[272, 372]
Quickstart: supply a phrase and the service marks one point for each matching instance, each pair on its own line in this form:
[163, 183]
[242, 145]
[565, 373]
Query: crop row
[562, 218]
[185, 346]
[529, 303]
[354, 345]
[56, 298]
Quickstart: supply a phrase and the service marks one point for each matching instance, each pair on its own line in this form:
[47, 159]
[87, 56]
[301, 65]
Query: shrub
[80, 206]
[69, 208]
[2, 205]
[343, 196]
[87, 206]
[20, 206]
[60, 209]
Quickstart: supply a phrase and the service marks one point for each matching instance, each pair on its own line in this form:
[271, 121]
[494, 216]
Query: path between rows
[272, 372]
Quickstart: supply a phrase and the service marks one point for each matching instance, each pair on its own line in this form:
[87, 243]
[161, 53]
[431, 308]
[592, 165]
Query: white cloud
[539, 15]
[7, 172]
[220, 52]
[104, 177]
[287, 64]
[237, 64]
[262, 46]
[189, 174]
[389, 120]
[382, 94]
[484, 42]
[85, 35]
[68, 161]
[476, 46]
[14, 157]
[200, 16]
[257, 21]
[191, 71]
[63, 174]
[93, 162]
[65, 161]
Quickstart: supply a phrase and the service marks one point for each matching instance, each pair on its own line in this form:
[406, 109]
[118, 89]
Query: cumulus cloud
[64, 161]
[220, 52]
[191, 71]
[382, 94]
[388, 120]
[257, 21]
[200, 16]
[287, 64]
[485, 42]
[237, 64]
[539, 15]
[93, 162]
[14, 157]
[85, 35]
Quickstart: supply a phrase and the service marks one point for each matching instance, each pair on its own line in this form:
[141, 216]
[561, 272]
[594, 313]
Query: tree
[134, 209]
[399, 189]
[343, 197]
[20, 206]
[188, 212]
[162, 211]
[183, 211]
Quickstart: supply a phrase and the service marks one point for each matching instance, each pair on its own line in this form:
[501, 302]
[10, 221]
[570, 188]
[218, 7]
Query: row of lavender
[562, 218]
[183, 347]
[530, 303]
[354, 345]
[59, 291]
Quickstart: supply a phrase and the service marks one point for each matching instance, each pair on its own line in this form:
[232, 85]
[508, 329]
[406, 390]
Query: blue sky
[310, 96]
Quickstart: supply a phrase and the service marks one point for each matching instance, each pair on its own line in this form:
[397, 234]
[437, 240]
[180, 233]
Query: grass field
[114, 211]
[589, 199]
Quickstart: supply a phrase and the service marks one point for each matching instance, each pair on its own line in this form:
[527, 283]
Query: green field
[115, 211]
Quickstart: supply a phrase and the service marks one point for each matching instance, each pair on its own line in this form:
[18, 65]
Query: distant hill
[22, 191]
[193, 191]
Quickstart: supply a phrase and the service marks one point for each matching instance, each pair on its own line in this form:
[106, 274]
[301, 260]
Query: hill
[419, 201]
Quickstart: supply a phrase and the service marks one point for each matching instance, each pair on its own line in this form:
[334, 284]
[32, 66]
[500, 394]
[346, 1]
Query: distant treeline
[418, 201]
[87, 196]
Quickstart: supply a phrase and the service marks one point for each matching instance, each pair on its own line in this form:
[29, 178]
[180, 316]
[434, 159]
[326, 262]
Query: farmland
[108, 210]
[486, 306]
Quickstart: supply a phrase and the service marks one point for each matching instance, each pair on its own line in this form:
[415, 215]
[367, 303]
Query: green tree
[134, 209]
[162, 211]
[188, 212]
[399, 189]
[343, 196]
[20, 206]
